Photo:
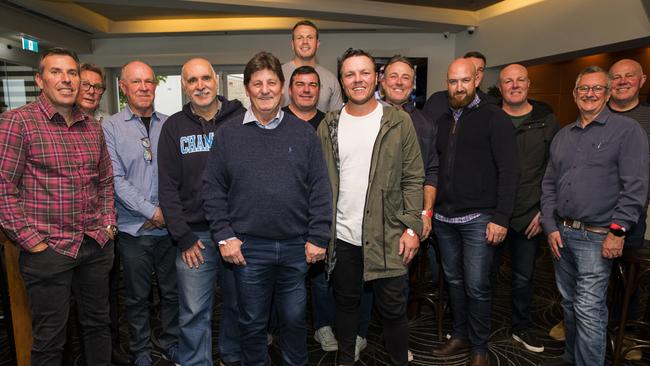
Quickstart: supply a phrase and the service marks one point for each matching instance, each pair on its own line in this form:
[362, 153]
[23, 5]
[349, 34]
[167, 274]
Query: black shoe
[555, 361]
[529, 341]
[118, 357]
[224, 363]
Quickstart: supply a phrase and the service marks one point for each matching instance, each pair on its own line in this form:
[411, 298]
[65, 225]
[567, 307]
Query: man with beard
[535, 125]
[593, 191]
[305, 43]
[437, 104]
[185, 143]
[476, 194]
[376, 175]
[268, 204]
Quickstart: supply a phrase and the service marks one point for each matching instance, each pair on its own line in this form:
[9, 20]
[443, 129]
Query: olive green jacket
[394, 196]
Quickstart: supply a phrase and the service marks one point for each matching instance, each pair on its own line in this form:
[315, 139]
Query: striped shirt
[56, 182]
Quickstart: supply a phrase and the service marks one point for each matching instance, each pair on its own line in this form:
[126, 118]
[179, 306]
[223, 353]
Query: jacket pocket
[393, 205]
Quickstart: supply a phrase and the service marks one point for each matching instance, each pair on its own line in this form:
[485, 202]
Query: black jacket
[182, 153]
[533, 141]
[426, 131]
[478, 163]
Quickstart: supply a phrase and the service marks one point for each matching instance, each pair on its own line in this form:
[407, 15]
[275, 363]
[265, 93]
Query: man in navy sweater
[183, 150]
[268, 202]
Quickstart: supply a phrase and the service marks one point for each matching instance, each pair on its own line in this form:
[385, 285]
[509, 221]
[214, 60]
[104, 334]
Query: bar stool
[423, 291]
[633, 269]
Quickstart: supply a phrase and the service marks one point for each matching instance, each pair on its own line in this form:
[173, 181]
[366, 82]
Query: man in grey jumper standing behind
[305, 43]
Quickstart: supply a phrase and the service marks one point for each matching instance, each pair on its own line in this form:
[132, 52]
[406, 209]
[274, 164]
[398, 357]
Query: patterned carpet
[423, 333]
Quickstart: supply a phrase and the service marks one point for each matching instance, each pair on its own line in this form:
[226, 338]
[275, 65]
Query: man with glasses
[593, 191]
[91, 90]
[144, 243]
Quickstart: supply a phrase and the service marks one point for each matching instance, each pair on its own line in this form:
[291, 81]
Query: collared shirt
[136, 178]
[273, 123]
[203, 120]
[456, 113]
[597, 174]
[56, 183]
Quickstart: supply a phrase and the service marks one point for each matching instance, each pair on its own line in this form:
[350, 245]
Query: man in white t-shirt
[376, 174]
[305, 43]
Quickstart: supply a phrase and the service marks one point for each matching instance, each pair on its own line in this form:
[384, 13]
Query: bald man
[535, 126]
[627, 80]
[143, 241]
[476, 194]
[185, 141]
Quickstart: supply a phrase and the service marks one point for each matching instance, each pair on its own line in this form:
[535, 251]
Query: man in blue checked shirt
[144, 243]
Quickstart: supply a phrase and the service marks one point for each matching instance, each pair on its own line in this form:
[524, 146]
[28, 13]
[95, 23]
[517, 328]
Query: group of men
[258, 200]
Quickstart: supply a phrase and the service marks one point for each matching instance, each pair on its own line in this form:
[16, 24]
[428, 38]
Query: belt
[579, 225]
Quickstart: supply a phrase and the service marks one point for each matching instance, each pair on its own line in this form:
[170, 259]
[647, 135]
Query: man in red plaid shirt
[57, 205]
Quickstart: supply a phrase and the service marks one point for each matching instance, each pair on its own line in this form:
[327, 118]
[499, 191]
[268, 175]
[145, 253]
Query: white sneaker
[325, 336]
[360, 345]
[410, 356]
[269, 339]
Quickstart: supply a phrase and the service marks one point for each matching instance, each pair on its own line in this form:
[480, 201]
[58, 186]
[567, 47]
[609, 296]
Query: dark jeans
[273, 268]
[467, 261]
[324, 305]
[50, 278]
[390, 296]
[523, 252]
[142, 256]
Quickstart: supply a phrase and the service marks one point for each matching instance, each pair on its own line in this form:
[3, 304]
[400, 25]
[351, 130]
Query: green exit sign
[30, 44]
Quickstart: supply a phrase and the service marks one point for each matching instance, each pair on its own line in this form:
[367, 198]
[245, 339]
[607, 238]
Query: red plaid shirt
[56, 182]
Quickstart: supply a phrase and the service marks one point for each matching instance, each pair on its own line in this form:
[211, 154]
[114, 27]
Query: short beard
[456, 104]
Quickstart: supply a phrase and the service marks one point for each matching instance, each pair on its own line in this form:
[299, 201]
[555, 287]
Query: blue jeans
[582, 276]
[196, 294]
[272, 266]
[324, 306]
[466, 260]
[141, 256]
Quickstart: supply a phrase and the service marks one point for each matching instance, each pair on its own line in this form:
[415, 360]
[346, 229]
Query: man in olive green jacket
[376, 174]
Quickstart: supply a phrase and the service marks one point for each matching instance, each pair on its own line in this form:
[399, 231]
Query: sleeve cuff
[187, 240]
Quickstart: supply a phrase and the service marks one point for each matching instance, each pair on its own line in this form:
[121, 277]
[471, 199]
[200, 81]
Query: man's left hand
[426, 227]
[495, 234]
[612, 246]
[408, 246]
[314, 253]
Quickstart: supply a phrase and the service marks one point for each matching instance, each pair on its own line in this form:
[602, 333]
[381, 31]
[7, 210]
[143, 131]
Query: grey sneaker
[359, 346]
[325, 336]
[528, 341]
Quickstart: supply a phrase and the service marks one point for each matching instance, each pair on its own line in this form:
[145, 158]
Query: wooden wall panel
[553, 83]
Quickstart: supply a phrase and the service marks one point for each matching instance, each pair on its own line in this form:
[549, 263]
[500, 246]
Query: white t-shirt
[356, 137]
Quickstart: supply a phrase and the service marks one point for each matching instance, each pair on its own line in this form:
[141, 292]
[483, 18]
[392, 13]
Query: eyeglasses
[596, 89]
[99, 88]
[148, 155]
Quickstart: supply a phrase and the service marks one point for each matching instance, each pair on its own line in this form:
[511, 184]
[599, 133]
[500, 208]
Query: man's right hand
[192, 256]
[555, 242]
[231, 252]
[38, 248]
[157, 219]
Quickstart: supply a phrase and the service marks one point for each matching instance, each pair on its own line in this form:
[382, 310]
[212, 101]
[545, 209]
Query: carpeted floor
[423, 333]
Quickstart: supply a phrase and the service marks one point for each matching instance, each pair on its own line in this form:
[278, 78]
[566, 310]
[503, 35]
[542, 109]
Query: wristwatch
[617, 230]
[410, 232]
[112, 229]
